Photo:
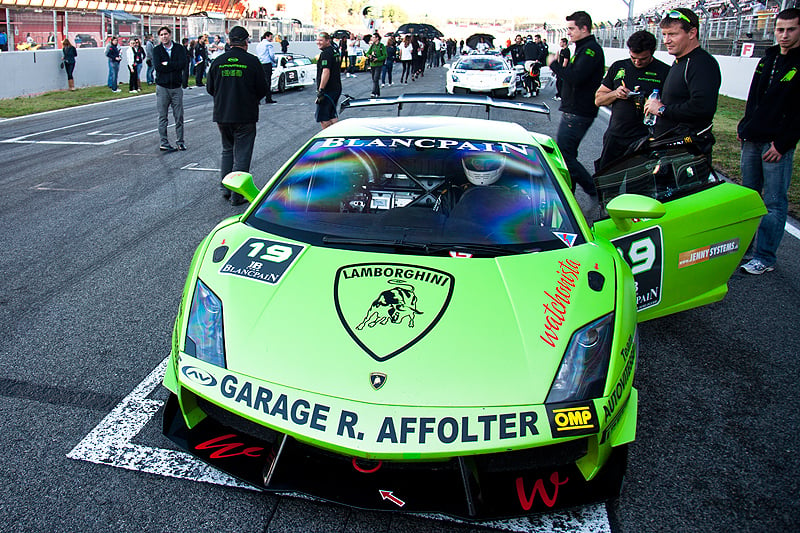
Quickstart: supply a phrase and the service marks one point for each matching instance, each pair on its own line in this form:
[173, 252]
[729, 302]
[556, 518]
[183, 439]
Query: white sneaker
[116, 90]
[756, 267]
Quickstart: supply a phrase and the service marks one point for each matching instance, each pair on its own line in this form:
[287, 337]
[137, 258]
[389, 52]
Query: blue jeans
[113, 74]
[772, 180]
[571, 131]
[387, 69]
[150, 74]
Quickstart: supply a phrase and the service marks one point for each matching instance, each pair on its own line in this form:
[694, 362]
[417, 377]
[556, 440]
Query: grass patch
[728, 151]
[28, 105]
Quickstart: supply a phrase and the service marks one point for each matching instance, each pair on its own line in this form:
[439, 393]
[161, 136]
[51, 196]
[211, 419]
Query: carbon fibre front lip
[468, 488]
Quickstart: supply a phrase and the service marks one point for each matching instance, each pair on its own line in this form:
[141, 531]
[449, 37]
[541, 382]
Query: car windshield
[422, 192]
[480, 63]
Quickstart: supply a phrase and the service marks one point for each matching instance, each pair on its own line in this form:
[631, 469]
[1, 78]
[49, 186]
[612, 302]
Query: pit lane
[93, 266]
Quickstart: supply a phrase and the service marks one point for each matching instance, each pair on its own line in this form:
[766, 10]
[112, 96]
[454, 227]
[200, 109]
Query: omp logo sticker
[388, 307]
[701, 255]
[572, 419]
[112, 444]
[199, 376]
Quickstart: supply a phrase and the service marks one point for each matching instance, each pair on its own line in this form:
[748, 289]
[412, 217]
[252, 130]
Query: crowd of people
[647, 98]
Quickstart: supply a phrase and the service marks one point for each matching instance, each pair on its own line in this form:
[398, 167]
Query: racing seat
[487, 213]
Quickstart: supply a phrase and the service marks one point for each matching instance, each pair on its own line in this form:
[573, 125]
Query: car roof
[430, 126]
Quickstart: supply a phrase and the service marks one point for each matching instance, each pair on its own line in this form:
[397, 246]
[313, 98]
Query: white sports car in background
[485, 73]
[293, 70]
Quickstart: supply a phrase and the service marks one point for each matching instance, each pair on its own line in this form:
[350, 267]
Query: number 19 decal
[262, 260]
[644, 252]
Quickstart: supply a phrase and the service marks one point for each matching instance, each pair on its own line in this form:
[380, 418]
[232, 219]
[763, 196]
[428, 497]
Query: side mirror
[625, 207]
[241, 182]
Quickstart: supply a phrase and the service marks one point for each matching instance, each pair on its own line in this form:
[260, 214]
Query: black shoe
[182, 147]
[237, 199]
[167, 148]
[225, 191]
[270, 102]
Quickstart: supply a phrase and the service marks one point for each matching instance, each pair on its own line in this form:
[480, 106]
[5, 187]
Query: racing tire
[282, 84]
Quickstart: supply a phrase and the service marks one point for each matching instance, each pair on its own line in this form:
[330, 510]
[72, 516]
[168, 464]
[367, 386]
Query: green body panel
[704, 236]
[485, 356]
[469, 356]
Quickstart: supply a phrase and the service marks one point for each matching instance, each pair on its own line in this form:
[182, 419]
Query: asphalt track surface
[98, 231]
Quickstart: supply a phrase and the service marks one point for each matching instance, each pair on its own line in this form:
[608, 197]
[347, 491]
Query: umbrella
[421, 30]
[340, 34]
[474, 39]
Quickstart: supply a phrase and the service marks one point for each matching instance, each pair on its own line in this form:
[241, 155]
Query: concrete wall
[28, 73]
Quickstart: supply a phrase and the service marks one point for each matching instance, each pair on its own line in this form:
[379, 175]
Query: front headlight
[204, 336]
[582, 374]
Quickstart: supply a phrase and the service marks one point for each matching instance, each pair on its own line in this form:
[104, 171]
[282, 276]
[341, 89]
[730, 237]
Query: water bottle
[650, 118]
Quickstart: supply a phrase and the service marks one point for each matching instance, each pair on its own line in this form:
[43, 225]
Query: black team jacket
[773, 104]
[581, 78]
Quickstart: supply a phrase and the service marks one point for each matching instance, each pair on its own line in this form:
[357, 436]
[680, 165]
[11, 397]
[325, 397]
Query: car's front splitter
[472, 487]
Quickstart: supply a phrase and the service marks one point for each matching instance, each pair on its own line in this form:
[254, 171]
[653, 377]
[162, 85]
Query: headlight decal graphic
[583, 369]
[204, 333]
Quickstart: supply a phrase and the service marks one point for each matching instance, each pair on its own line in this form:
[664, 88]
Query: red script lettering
[527, 503]
[226, 450]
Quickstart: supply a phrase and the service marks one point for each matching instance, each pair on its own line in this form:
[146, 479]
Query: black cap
[238, 35]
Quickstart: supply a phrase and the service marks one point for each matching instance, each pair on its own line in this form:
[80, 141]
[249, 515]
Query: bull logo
[392, 305]
[388, 307]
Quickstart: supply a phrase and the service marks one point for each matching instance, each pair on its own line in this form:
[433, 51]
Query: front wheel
[282, 84]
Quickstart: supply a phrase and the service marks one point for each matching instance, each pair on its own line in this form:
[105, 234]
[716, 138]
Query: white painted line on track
[792, 230]
[111, 443]
[193, 166]
[18, 139]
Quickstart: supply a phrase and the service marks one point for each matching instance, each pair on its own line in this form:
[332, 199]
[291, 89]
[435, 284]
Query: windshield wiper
[427, 247]
[395, 243]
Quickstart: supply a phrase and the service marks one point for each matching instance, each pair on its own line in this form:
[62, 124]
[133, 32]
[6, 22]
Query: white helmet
[483, 168]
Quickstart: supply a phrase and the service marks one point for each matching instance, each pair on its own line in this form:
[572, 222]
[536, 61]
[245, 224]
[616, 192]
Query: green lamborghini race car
[414, 315]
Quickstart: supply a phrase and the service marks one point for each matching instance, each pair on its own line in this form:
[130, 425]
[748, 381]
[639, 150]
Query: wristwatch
[661, 110]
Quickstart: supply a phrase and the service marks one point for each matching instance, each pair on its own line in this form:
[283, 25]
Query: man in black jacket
[769, 133]
[581, 78]
[237, 83]
[689, 100]
[170, 60]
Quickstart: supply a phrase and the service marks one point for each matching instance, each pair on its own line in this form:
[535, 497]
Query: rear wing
[444, 99]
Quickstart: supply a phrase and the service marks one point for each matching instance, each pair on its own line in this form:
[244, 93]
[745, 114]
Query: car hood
[329, 320]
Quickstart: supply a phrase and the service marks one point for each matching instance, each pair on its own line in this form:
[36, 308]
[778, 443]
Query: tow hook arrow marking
[387, 495]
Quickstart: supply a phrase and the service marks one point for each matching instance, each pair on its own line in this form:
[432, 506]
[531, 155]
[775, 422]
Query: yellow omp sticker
[572, 419]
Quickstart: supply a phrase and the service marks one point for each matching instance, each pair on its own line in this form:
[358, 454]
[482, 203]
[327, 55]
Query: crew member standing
[642, 74]
[769, 133]
[689, 101]
[237, 83]
[169, 59]
[266, 55]
[329, 81]
[581, 78]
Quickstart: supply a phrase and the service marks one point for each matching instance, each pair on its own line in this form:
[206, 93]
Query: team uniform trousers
[571, 131]
[237, 146]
